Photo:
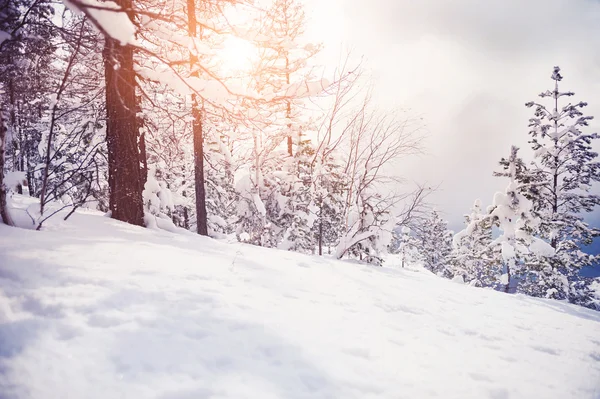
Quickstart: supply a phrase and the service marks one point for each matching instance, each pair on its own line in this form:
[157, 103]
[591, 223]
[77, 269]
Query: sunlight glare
[237, 56]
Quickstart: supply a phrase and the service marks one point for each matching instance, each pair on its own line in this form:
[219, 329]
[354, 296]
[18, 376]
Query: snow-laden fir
[95, 308]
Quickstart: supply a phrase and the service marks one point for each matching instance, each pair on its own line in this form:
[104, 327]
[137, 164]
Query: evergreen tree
[473, 257]
[512, 213]
[558, 182]
[282, 63]
[300, 204]
[405, 245]
[434, 244]
[329, 185]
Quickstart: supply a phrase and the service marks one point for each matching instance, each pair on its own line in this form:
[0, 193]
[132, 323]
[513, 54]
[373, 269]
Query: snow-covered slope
[99, 309]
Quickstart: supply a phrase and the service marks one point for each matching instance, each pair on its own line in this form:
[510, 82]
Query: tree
[374, 142]
[434, 244]
[300, 206]
[197, 132]
[4, 215]
[50, 90]
[512, 213]
[558, 183]
[405, 244]
[22, 40]
[473, 257]
[283, 63]
[122, 130]
[329, 191]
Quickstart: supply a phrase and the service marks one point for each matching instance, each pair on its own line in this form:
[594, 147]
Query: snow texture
[4, 36]
[107, 17]
[94, 308]
[13, 179]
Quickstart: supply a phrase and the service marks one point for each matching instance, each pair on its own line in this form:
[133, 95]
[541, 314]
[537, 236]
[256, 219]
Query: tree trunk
[288, 111]
[4, 216]
[125, 180]
[507, 286]
[143, 161]
[201, 214]
[320, 236]
[554, 240]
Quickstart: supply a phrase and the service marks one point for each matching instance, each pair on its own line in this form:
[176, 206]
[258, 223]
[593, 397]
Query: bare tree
[376, 141]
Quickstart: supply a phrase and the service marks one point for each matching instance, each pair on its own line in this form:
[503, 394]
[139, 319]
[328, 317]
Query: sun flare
[237, 56]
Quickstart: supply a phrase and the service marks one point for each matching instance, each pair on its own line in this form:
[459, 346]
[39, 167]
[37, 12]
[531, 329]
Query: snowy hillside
[100, 309]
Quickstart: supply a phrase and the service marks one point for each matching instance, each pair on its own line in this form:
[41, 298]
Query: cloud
[468, 67]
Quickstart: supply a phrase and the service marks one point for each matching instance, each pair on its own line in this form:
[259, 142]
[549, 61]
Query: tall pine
[559, 182]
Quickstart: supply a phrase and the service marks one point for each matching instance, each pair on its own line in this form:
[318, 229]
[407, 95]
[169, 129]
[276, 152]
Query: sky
[467, 67]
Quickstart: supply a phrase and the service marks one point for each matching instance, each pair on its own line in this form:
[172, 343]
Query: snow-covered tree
[473, 257]
[283, 65]
[513, 214]
[221, 197]
[559, 183]
[434, 244]
[375, 142]
[329, 186]
[405, 245]
[586, 292]
[301, 203]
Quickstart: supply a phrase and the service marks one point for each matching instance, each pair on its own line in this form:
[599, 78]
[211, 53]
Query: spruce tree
[473, 257]
[435, 244]
[513, 214]
[559, 183]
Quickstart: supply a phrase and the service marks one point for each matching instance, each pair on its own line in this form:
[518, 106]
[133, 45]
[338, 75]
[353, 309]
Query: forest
[214, 116]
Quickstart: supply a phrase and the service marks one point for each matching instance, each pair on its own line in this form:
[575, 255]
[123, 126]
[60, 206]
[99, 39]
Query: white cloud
[468, 66]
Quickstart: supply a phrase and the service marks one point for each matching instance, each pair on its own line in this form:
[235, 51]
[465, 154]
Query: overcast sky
[468, 67]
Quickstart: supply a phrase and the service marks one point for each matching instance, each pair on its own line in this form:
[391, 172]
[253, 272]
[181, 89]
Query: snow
[13, 179]
[541, 248]
[260, 206]
[94, 308]
[114, 23]
[458, 279]
[4, 36]
[306, 88]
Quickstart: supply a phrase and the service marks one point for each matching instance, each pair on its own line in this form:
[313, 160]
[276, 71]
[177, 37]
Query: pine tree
[473, 257]
[283, 61]
[221, 197]
[559, 182]
[434, 244]
[513, 214]
[405, 245]
[300, 205]
[329, 187]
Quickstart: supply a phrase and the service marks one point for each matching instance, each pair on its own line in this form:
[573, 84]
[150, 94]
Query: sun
[237, 56]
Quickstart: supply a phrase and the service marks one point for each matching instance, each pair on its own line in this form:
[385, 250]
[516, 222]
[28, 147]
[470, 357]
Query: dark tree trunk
[201, 214]
[124, 175]
[507, 286]
[320, 226]
[288, 111]
[186, 218]
[143, 161]
[320, 236]
[4, 216]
